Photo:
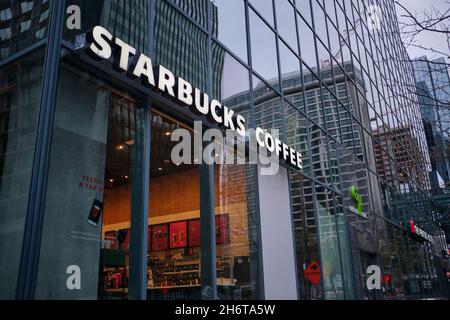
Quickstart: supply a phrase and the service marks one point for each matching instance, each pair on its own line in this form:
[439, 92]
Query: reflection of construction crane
[343, 41]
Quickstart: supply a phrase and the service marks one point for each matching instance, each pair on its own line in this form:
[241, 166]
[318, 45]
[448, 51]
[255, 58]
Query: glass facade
[115, 208]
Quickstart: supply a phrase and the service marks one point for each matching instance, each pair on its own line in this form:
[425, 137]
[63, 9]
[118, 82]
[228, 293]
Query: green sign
[356, 196]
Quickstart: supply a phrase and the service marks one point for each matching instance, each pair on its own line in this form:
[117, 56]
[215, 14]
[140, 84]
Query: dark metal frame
[36, 200]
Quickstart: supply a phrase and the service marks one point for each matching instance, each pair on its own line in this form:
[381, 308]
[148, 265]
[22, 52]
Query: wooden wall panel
[176, 193]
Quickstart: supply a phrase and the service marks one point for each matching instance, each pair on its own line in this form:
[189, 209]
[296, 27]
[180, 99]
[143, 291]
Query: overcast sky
[427, 39]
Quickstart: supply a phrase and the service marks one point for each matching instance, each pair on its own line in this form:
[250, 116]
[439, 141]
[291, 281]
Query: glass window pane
[290, 68]
[88, 199]
[319, 21]
[305, 10]
[21, 25]
[229, 26]
[174, 262]
[196, 9]
[237, 232]
[307, 45]
[286, 23]
[231, 83]
[306, 240]
[230, 77]
[180, 46]
[19, 107]
[265, 8]
[297, 134]
[268, 112]
[328, 230]
[264, 51]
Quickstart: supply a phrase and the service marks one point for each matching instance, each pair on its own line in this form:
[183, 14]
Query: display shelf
[180, 272]
[174, 287]
[120, 290]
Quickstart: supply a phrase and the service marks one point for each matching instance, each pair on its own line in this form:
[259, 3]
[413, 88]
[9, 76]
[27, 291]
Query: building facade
[92, 205]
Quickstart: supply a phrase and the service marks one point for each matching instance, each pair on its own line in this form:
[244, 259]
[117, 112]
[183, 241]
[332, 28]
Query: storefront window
[306, 240]
[174, 265]
[85, 250]
[19, 105]
[329, 244]
[237, 232]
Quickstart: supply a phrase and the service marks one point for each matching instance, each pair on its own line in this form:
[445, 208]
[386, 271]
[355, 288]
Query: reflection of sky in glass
[308, 51]
[286, 23]
[264, 51]
[290, 64]
[305, 10]
[231, 26]
[265, 8]
[235, 78]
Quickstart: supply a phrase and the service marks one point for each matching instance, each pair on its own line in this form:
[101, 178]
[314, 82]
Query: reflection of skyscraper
[185, 52]
[412, 174]
[20, 85]
[337, 119]
[22, 23]
[433, 90]
[128, 20]
[433, 132]
[341, 165]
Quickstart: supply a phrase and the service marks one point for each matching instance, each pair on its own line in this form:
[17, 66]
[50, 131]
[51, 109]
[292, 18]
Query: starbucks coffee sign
[102, 45]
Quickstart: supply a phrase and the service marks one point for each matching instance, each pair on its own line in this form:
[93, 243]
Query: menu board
[194, 233]
[178, 233]
[183, 234]
[222, 229]
[160, 237]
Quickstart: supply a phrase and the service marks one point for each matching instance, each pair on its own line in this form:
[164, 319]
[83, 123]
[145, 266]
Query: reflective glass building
[92, 207]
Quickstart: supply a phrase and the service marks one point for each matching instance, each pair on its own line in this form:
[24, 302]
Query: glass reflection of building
[433, 86]
[22, 23]
[275, 62]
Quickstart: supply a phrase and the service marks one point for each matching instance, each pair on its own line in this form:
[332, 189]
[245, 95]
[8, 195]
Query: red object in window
[222, 229]
[178, 238]
[312, 273]
[388, 279]
[160, 237]
[194, 233]
[116, 280]
[413, 226]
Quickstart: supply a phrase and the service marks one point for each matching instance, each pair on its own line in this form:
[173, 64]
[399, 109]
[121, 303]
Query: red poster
[194, 233]
[178, 234]
[160, 237]
[222, 229]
